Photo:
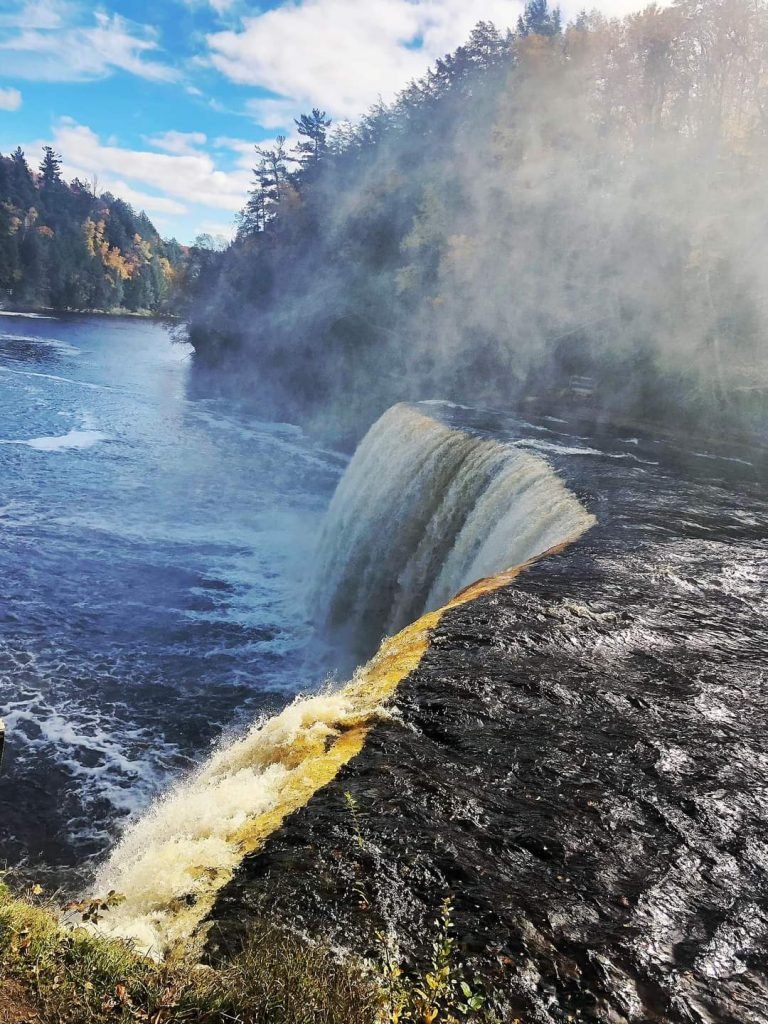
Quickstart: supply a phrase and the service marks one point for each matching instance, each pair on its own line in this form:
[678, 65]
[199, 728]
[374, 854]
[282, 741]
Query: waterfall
[172, 861]
[424, 510]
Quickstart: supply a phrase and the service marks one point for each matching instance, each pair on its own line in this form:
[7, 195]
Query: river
[577, 754]
[153, 554]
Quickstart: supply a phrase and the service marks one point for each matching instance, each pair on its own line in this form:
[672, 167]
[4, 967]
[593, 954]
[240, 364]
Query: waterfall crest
[423, 511]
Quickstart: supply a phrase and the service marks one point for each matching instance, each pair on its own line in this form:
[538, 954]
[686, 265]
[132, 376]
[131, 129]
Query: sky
[162, 101]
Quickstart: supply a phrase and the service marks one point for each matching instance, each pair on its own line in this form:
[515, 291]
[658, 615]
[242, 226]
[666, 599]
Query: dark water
[579, 761]
[153, 552]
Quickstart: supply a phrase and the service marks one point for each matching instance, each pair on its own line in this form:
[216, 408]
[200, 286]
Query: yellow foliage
[143, 247]
[111, 257]
[94, 235]
[113, 260]
[169, 274]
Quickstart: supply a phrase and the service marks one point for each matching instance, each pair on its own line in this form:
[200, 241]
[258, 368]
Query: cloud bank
[58, 42]
[343, 54]
[10, 99]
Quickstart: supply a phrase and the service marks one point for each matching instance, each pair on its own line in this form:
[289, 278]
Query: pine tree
[538, 20]
[270, 178]
[314, 131]
[21, 186]
[50, 170]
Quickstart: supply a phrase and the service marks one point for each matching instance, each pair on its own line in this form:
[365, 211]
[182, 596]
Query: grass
[59, 975]
[52, 973]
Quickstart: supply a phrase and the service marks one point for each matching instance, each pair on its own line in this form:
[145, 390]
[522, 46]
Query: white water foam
[69, 731]
[57, 380]
[190, 840]
[28, 316]
[64, 442]
[424, 510]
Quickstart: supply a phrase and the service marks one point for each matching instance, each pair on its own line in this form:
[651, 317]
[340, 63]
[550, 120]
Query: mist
[545, 205]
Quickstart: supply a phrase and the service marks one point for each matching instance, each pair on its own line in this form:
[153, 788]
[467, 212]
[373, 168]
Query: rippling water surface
[155, 549]
[153, 553]
[578, 760]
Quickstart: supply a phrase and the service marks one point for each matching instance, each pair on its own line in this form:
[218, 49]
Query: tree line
[546, 203]
[64, 246]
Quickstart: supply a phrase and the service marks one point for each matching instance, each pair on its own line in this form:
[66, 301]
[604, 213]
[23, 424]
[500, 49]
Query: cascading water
[422, 511]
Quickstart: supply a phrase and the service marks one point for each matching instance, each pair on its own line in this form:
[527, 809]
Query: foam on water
[460, 507]
[87, 748]
[57, 379]
[64, 442]
[28, 316]
[423, 510]
[174, 859]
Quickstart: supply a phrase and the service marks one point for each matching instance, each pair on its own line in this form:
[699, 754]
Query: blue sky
[162, 101]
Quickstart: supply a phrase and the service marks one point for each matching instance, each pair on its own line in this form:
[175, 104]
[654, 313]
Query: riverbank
[52, 973]
[117, 311]
[49, 972]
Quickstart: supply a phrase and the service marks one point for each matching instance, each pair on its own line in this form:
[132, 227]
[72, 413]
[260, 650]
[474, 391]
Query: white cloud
[51, 42]
[185, 179]
[272, 113]
[141, 200]
[35, 14]
[243, 148]
[10, 99]
[177, 143]
[218, 228]
[343, 54]
[237, 145]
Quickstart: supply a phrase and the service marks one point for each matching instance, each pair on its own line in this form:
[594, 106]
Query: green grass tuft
[72, 976]
[51, 973]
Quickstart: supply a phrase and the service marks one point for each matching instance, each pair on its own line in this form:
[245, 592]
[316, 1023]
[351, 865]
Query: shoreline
[117, 313]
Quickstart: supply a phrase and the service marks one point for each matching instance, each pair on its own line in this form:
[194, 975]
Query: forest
[556, 216]
[65, 247]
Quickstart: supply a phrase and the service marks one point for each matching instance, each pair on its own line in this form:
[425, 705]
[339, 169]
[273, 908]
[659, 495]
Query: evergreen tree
[270, 178]
[65, 247]
[21, 186]
[537, 19]
[313, 129]
[50, 170]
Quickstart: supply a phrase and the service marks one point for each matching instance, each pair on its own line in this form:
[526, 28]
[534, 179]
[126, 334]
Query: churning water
[160, 566]
[423, 511]
[153, 553]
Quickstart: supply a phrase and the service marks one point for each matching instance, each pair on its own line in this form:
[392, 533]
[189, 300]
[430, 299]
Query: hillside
[62, 246]
[545, 205]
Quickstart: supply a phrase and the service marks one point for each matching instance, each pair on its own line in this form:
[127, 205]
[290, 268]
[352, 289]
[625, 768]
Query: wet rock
[579, 760]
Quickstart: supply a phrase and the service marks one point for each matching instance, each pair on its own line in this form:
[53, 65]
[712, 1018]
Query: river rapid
[579, 757]
[153, 553]
[576, 752]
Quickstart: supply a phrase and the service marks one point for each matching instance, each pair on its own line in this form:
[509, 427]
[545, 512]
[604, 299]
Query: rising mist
[543, 205]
